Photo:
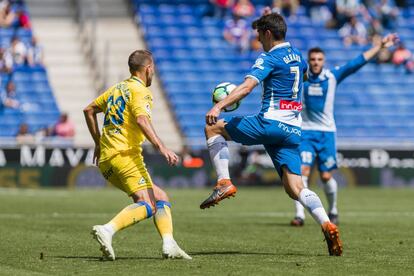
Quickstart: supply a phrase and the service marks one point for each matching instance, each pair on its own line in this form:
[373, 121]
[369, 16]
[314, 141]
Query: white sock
[166, 238]
[312, 202]
[219, 154]
[300, 210]
[331, 192]
[109, 228]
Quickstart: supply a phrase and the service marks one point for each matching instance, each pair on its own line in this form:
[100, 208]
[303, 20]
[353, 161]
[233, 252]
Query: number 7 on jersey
[295, 89]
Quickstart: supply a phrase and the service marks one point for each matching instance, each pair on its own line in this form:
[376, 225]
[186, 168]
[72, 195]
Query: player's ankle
[224, 182]
[109, 228]
[167, 238]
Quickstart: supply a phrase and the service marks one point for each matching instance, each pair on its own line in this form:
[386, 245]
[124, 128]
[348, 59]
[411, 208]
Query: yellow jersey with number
[121, 104]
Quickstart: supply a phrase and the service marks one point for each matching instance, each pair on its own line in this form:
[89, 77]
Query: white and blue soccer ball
[221, 91]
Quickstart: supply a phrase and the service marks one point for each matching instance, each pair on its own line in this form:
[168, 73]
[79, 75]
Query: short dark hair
[139, 59]
[273, 22]
[315, 50]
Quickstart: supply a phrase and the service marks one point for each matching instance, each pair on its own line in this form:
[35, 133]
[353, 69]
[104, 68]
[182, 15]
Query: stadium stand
[372, 107]
[37, 106]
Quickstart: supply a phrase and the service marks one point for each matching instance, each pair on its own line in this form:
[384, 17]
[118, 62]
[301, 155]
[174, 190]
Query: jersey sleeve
[102, 100]
[349, 68]
[141, 103]
[261, 68]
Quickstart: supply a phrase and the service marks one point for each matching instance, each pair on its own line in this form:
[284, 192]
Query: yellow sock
[130, 215]
[163, 219]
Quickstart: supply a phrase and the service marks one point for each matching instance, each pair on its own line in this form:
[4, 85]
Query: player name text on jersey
[291, 57]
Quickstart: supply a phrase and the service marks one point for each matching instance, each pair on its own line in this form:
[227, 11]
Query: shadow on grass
[100, 259]
[201, 253]
[281, 253]
[277, 224]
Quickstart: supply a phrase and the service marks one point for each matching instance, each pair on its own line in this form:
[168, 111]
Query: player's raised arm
[235, 96]
[90, 116]
[145, 124]
[386, 42]
[354, 65]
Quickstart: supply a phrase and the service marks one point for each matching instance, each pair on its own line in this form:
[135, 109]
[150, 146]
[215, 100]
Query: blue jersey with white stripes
[281, 73]
[319, 95]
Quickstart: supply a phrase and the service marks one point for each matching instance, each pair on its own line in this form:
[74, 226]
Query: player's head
[271, 27]
[141, 64]
[316, 60]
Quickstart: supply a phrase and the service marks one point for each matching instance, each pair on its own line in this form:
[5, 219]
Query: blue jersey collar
[281, 45]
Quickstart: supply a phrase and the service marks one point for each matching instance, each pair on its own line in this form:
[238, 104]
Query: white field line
[33, 192]
[56, 215]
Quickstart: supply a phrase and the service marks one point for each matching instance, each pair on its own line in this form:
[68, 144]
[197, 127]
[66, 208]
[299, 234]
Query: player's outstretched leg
[299, 219]
[164, 225]
[331, 192]
[133, 213]
[310, 200]
[219, 154]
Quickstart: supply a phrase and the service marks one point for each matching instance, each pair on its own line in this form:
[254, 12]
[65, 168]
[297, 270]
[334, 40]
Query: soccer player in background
[118, 153]
[318, 126]
[281, 70]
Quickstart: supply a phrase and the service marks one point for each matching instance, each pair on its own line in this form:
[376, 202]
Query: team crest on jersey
[259, 64]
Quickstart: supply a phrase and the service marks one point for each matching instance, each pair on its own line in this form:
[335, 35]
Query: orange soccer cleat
[331, 233]
[224, 189]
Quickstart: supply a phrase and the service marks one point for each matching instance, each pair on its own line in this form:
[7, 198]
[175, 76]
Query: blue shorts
[280, 140]
[319, 145]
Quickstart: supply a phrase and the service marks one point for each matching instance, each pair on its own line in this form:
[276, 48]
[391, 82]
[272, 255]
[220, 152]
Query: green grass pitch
[47, 232]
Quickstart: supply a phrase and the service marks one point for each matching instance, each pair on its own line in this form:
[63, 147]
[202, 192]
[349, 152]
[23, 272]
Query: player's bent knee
[291, 194]
[216, 129]
[305, 170]
[326, 176]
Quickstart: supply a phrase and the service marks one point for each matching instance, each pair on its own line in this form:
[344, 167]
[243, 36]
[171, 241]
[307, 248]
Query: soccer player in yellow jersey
[118, 153]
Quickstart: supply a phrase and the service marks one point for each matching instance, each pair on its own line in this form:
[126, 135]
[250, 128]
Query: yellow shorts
[127, 172]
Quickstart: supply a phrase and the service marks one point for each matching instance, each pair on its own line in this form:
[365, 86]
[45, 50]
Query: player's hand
[170, 156]
[389, 40]
[97, 155]
[212, 116]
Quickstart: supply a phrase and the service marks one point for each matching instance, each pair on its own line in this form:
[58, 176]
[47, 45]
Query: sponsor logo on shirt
[290, 105]
[315, 90]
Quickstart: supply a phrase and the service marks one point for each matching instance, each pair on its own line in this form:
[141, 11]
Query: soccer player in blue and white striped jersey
[318, 125]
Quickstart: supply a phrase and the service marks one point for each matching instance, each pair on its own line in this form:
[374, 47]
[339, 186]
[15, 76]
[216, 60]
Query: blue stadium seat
[192, 58]
[39, 108]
